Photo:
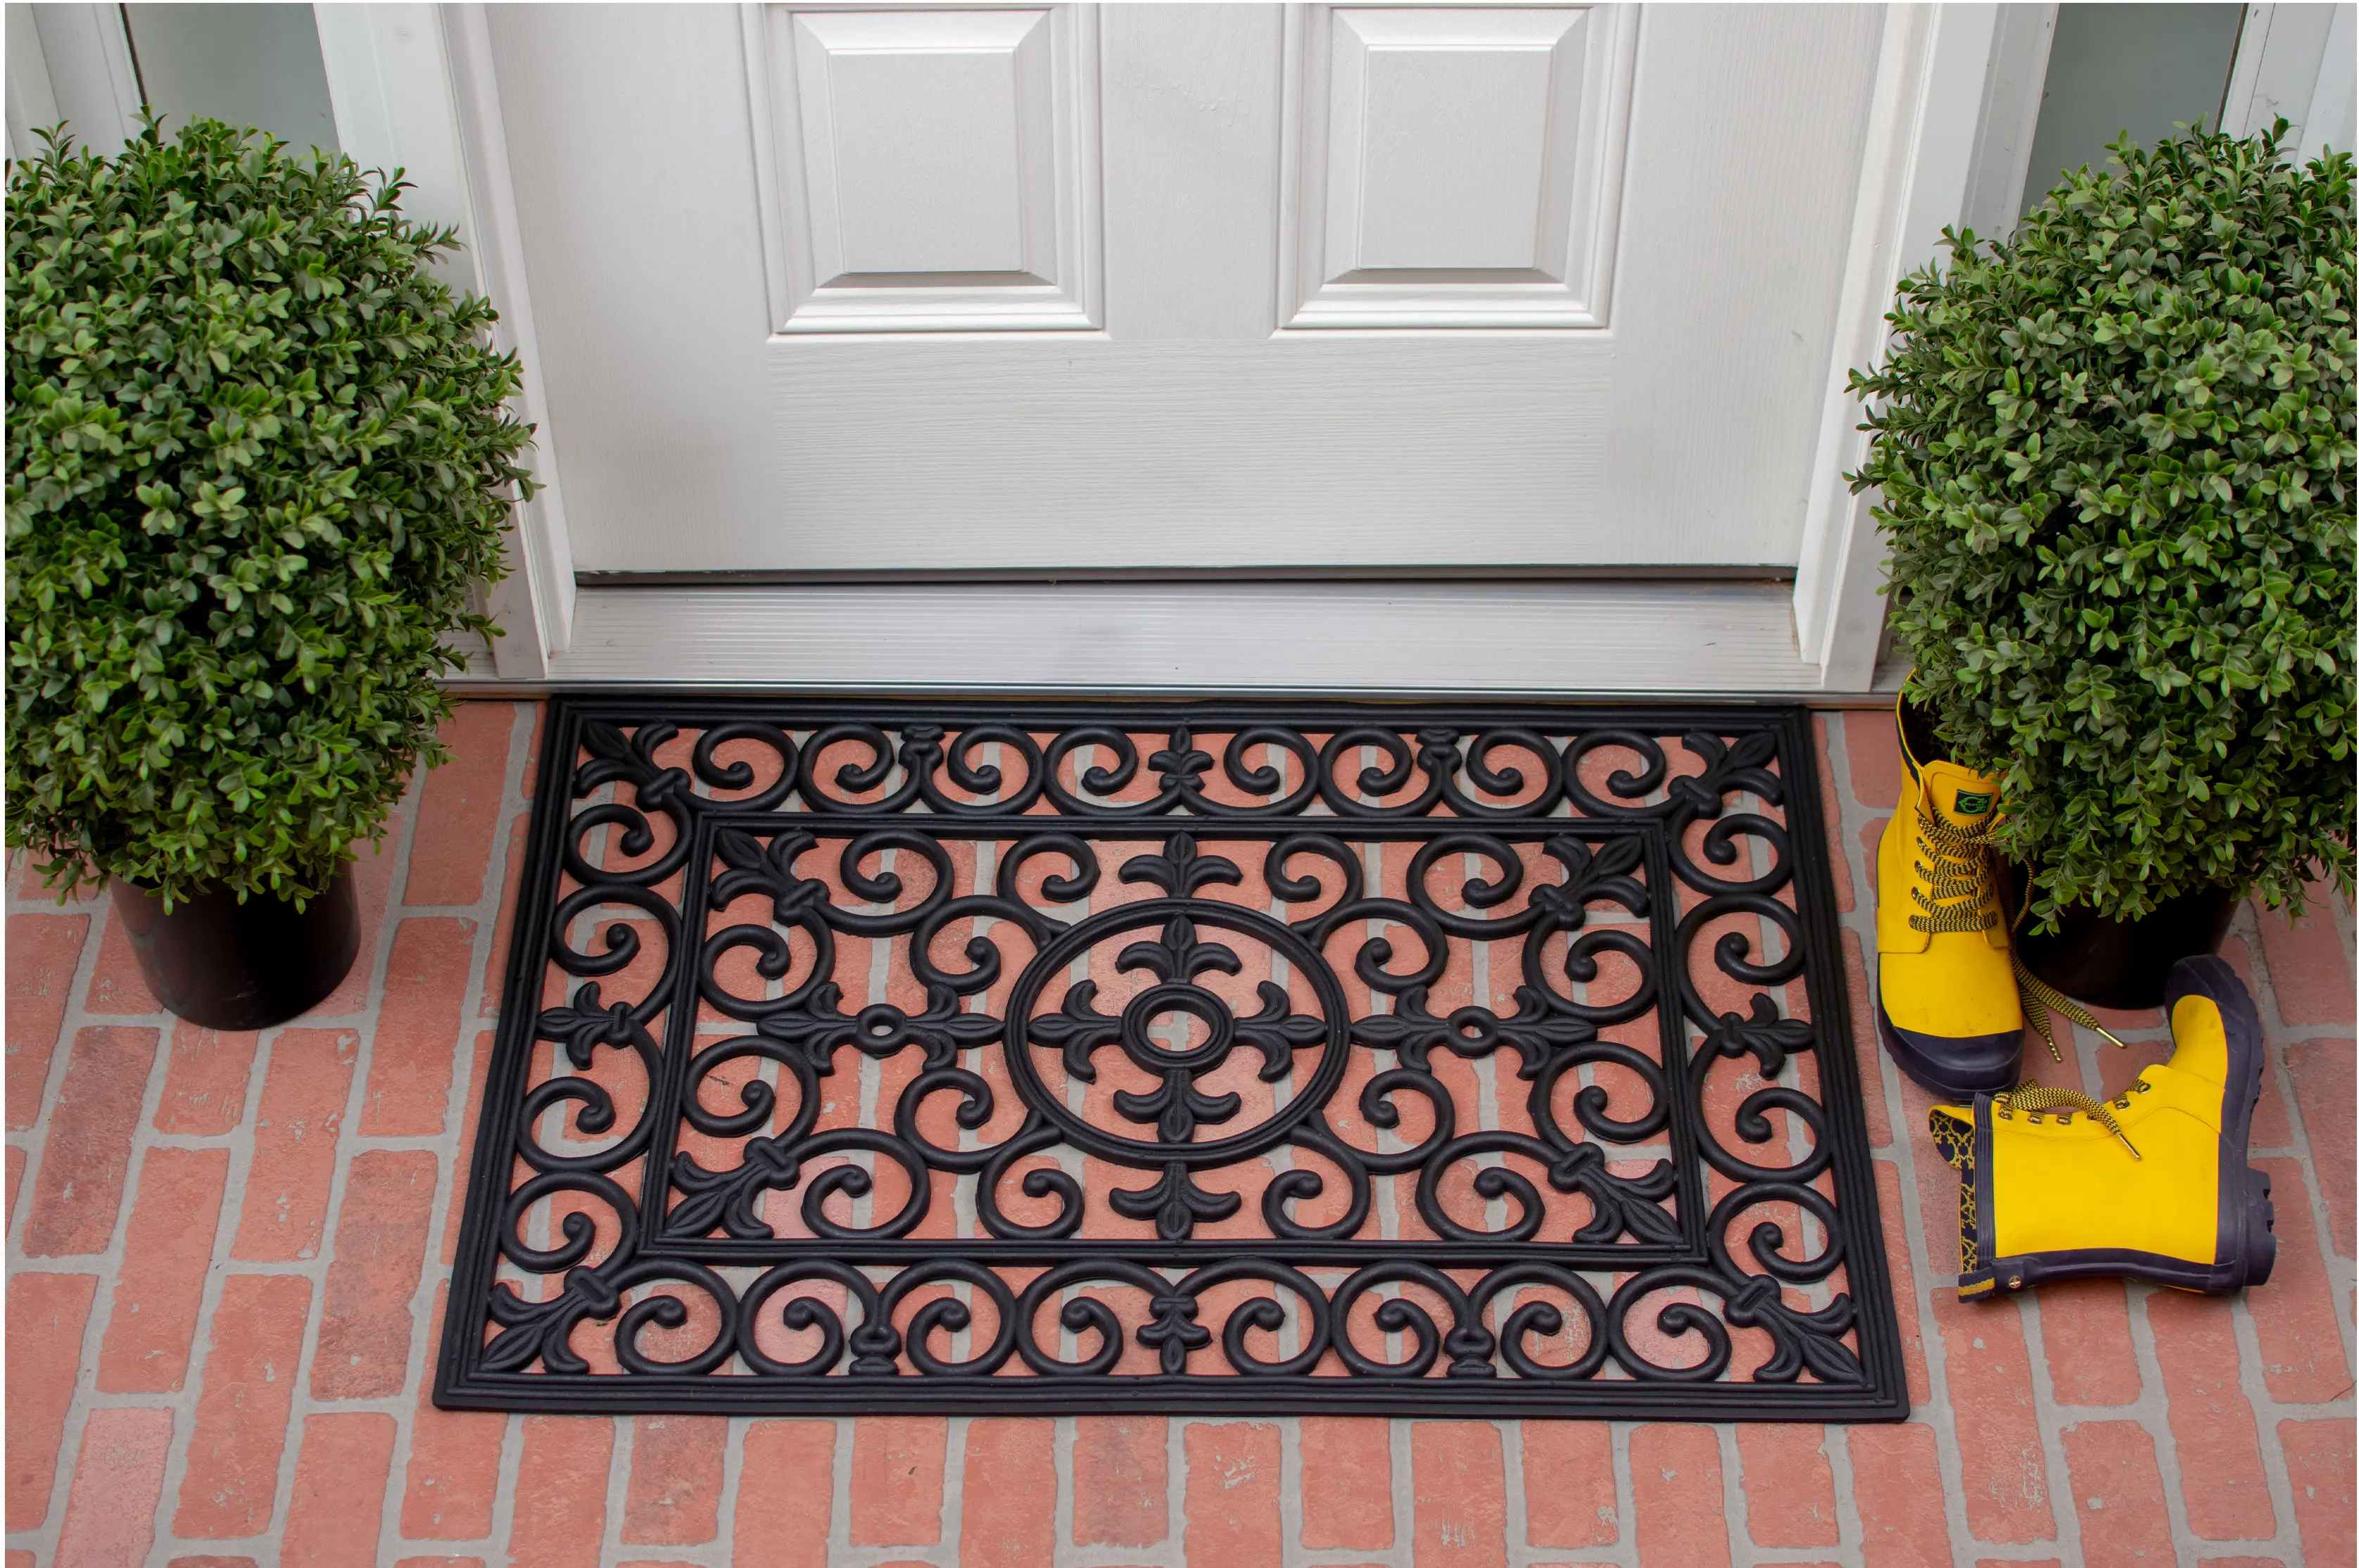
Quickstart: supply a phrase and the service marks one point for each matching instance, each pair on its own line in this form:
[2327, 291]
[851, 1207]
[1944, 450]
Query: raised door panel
[927, 170]
[1452, 166]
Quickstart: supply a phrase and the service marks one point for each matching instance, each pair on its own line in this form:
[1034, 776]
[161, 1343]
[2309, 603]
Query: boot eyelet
[2063, 1119]
[2033, 1118]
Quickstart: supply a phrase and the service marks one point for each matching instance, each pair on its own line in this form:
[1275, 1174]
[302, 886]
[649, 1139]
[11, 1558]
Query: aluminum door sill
[1559, 639]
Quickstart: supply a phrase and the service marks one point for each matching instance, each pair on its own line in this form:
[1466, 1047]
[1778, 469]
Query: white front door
[838, 289]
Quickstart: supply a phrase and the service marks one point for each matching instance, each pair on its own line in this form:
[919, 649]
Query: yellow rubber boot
[1947, 1007]
[2154, 1184]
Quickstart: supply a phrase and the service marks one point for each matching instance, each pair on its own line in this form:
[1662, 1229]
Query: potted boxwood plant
[2115, 456]
[258, 457]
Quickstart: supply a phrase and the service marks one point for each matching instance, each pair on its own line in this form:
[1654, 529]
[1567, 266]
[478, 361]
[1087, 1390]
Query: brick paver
[786, 1517]
[118, 1477]
[1008, 1512]
[339, 1492]
[1462, 1494]
[79, 1188]
[161, 1284]
[1675, 1477]
[1347, 1483]
[674, 1496]
[1233, 1478]
[204, 1089]
[1789, 1487]
[44, 952]
[897, 1480]
[226, 1257]
[1121, 1480]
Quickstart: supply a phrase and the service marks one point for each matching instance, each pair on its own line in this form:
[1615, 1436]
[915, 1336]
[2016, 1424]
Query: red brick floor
[226, 1257]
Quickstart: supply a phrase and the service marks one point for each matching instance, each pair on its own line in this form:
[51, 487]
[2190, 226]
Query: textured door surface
[872, 289]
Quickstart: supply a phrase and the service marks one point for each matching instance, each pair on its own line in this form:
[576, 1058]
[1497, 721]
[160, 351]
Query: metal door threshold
[1560, 640]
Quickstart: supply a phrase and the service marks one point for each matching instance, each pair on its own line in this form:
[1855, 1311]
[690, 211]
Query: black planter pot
[2122, 963]
[228, 965]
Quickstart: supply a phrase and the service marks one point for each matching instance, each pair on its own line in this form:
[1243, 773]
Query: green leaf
[230, 349]
[2150, 638]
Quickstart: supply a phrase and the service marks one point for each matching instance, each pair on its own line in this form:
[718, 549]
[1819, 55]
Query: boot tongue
[1962, 799]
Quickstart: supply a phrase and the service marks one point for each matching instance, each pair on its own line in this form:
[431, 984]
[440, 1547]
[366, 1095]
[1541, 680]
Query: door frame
[1933, 112]
[1927, 124]
[413, 87]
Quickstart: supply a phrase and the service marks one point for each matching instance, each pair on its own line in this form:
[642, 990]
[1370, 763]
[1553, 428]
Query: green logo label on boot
[1970, 804]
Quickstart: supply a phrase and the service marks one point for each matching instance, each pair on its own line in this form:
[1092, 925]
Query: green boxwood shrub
[2115, 455]
[257, 457]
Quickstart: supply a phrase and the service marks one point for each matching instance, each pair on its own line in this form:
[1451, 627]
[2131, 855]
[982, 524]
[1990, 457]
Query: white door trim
[1921, 141]
[71, 62]
[32, 101]
[2295, 60]
[2012, 91]
[413, 87]
[541, 554]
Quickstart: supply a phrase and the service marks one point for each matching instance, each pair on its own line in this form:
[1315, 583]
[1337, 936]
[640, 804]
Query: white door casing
[413, 89]
[70, 61]
[2296, 60]
[1931, 116]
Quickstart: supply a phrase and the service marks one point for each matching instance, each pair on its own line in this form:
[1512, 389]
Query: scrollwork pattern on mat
[1168, 1049]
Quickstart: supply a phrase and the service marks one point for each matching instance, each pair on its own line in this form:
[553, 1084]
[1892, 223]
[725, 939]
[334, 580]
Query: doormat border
[461, 1381]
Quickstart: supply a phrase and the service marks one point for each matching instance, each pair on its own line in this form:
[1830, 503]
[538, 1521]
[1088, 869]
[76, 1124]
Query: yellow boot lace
[2032, 1095]
[1950, 897]
[1950, 893]
[2039, 998]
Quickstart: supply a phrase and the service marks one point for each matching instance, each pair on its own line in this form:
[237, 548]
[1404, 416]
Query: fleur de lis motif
[1175, 1203]
[1767, 1036]
[1618, 1203]
[1181, 764]
[588, 1023]
[1174, 1331]
[659, 787]
[1181, 868]
[1277, 1031]
[1727, 769]
[1079, 1028]
[753, 869]
[1412, 1032]
[1178, 955]
[1592, 875]
[1177, 1106]
[817, 1027]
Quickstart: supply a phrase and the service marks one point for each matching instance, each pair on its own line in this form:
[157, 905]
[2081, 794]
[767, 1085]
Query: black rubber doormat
[1472, 1059]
